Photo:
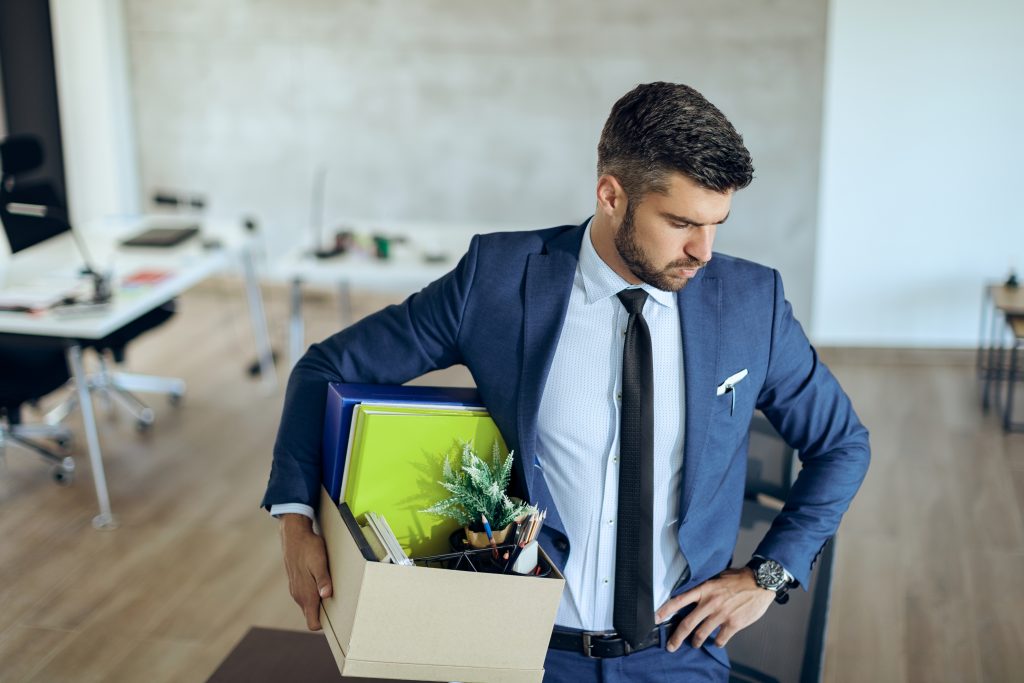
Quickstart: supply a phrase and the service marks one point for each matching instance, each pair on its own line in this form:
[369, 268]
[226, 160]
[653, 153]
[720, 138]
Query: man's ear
[611, 198]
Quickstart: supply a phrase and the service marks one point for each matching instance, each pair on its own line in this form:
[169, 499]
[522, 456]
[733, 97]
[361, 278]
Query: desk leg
[994, 363]
[986, 311]
[345, 303]
[104, 520]
[258, 321]
[296, 325]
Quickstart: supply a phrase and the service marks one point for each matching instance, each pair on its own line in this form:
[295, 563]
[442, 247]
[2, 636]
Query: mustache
[688, 264]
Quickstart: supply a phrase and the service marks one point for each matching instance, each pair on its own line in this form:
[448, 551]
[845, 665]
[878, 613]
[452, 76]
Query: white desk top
[58, 259]
[405, 270]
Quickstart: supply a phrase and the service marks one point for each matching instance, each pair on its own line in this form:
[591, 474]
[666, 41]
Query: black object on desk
[161, 237]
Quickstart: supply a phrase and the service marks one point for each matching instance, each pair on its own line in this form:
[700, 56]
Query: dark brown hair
[658, 128]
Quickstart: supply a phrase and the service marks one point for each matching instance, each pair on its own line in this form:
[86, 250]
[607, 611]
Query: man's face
[664, 239]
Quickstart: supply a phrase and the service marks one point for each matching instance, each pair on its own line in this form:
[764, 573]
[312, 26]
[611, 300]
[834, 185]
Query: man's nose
[700, 246]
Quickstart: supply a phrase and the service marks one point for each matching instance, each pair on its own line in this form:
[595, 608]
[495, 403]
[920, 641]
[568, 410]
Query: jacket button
[562, 545]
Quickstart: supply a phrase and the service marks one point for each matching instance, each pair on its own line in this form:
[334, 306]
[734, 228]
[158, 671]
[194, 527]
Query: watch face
[770, 575]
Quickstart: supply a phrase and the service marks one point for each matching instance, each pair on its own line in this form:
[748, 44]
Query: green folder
[395, 462]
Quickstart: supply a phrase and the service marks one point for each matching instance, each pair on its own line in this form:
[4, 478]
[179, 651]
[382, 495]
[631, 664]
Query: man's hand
[732, 600]
[305, 560]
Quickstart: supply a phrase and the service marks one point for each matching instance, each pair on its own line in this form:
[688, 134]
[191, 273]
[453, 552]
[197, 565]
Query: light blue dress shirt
[578, 438]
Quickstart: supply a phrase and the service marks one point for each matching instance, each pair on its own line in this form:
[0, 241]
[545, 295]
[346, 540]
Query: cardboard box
[425, 624]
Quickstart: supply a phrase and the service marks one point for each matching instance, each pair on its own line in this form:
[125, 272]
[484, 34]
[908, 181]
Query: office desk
[185, 265]
[267, 655]
[406, 270]
[999, 306]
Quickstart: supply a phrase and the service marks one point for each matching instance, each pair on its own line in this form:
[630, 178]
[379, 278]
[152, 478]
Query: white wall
[920, 201]
[95, 108]
[481, 112]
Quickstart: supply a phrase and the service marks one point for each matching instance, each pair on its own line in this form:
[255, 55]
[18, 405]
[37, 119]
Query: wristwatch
[771, 576]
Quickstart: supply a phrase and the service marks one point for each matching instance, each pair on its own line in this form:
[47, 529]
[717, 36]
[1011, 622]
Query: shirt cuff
[292, 508]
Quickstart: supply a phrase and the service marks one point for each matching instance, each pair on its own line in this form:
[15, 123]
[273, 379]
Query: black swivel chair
[787, 645]
[30, 368]
[20, 157]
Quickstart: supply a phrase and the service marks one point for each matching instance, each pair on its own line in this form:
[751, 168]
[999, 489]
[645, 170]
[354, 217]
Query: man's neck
[602, 236]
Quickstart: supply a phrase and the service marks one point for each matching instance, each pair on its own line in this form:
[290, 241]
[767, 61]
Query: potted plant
[479, 490]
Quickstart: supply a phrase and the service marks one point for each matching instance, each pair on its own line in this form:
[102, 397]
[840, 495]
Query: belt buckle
[588, 643]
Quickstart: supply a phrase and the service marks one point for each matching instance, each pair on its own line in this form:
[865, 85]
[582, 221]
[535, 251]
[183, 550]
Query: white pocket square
[731, 382]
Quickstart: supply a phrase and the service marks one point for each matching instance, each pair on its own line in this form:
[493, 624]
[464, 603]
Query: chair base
[24, 436]
[119, 387]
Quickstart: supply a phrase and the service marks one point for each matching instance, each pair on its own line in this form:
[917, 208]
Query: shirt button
[618, 396]
[611, 521]
[606, 582]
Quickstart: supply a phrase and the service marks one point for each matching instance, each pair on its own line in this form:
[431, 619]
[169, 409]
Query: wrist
[770, 576]
[295, 522]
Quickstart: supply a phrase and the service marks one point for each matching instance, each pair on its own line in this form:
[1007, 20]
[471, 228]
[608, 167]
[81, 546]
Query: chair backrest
[788, 643]
[772, 464]
[33, 366]
[19, 155]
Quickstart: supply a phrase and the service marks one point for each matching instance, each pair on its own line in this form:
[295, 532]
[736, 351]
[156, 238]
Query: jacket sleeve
[805, 403]
[392, 346]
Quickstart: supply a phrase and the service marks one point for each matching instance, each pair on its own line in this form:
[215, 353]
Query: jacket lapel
[549, 278]
[700, 312]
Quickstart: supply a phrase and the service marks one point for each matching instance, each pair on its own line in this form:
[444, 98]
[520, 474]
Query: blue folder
[343, 398]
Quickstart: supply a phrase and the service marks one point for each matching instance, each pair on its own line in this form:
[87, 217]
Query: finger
[321, 576]
[701, 612]
[725, 635]
[673, 605]
[312, 612]
[704, 631]
[686, 626]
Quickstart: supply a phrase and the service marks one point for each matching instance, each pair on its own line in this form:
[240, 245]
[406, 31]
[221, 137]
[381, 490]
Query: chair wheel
[174, 399]
[143, 426]
[64, 473]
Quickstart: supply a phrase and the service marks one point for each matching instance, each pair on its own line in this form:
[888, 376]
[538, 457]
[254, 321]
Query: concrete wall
[466, 110]
[920, 173]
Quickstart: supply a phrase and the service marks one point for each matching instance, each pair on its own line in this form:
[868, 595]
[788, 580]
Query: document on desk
[40, 294]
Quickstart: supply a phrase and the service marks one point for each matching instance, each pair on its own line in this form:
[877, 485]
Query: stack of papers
[386, 537]
[40, 294]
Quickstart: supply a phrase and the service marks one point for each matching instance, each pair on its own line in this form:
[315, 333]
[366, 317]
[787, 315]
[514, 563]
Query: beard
[641, 265]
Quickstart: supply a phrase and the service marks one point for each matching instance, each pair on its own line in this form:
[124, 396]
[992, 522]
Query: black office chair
[787, 645]
[30, 368]
[31, 212]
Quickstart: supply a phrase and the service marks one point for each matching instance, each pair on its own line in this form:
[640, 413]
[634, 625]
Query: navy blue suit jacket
[500, 312]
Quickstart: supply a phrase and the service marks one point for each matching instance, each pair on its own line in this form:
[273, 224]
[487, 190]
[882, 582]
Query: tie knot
[633, 300]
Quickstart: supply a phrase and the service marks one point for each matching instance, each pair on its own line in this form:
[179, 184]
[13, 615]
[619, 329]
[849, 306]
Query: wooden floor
[930, 566]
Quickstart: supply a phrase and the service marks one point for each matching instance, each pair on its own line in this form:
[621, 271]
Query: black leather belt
[605, 644]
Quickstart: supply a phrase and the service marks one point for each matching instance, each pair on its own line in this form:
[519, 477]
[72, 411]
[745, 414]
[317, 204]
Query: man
[622, 361]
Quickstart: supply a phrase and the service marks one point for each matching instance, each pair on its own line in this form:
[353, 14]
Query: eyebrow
[690, 221]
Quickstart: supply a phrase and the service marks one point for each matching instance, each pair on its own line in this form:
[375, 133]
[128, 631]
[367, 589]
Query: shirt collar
[601, 282]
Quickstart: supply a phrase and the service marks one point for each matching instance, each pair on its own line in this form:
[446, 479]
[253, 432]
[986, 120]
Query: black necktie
[634, 574]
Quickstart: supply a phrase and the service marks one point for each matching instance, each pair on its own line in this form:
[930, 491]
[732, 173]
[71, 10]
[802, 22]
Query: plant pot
[478, 539]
